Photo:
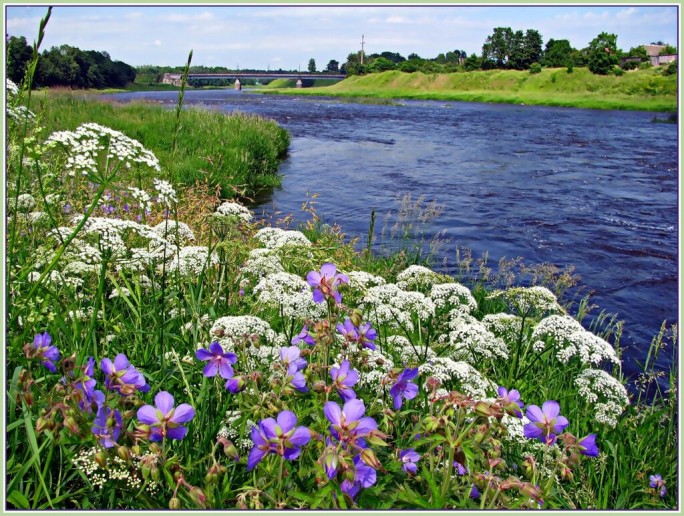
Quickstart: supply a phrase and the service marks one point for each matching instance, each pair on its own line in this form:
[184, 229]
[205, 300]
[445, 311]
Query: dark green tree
[18, 55]
[380, 64]
[532, 48]
[603, 53]
[668, 50]
[312, 65]
[333, 66]
[496, 50]
[557, 53]
[472, 63]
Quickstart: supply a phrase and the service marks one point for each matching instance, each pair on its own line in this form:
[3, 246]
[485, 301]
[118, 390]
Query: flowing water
[588, 188]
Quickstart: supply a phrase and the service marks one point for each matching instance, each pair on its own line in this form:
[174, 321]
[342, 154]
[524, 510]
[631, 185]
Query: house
[653, 52]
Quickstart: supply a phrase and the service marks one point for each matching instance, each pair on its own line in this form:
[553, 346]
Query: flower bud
[145, 471]
[356, 318]
[136, 450]
[368, 457]
[198, 496]
[41, 424]
[71, 425]
[318, 386]
[156, 475]
[154, 448]
[174, 503]
[101, 459]
[124, 453]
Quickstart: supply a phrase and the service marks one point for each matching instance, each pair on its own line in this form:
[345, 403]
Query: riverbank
[639, 90]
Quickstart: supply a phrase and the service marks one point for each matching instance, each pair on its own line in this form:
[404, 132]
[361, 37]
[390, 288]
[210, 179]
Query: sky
[273, 37]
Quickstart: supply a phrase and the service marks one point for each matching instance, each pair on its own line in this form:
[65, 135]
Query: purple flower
[344, 379]
[348, 330]
[291, 355]
[107, 426]
[67, 208]
[474, 493]
[404, 388]
[366, 335]
[460, 468]
[363, 335]
[348, 424]
[218, 361]
[409, 458]
[364, 476]
[656, 481]
[295, 378]
[45, 351]
[326, 282]
[508, 397]
[587, 446]
[236, 384]
[546, 423]
[277, 436]
[86, 385]
[164, 420]
[122, 377]
[304, 336]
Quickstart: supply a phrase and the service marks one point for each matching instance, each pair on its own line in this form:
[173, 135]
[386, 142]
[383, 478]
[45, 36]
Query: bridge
[175, 78]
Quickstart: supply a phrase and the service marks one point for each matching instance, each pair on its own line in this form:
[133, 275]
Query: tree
[603, 53]
[668, 50]
[312, 65]
[532, 48]
[19, 53]
[472, 63]
[557, 53]
[333, 66]
[381, 64]
[514, 50]
[353, 65]
[496, 50]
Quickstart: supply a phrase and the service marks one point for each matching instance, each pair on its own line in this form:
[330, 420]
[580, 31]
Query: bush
[571, 69]
[645, 65]
[671, 69]
[535, 68]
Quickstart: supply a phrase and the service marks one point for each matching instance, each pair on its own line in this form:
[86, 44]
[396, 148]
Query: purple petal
[313, 278]
[398, 402]
[147, 414]
[354, 410]
[211, 368]
[410, 391]
[347, 394]
[350, 488]
[532, 431]
[269, 427]
[318, 296]
[286, 421]
[328, 270]
[51, 353]
[332, 412]
[257, 437]
[351, 379]
[291, 453]
[216, 348]
[203, 354]
[183, 413]
[50, 366]
[366, 425]
[502, 392]
[343, 278]
[176, 433]
[107, 367]
[121, 362]
[551, 409]
[164, 402]
[561, 423]
[301, 436]
[225, 370]
[337, 297]
[534, 414]
[255, 456]
[410, 467]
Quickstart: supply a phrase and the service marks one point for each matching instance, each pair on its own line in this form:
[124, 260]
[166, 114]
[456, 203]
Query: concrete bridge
[175, 78]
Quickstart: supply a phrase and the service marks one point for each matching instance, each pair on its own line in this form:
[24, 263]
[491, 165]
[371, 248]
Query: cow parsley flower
[193, 260]
[233, 209]
[174, 231]
[388, 304]
[528, 300]
[505, 326]
[417, 277]
[290, 294]
[361, 280]
[455, 375]
[166, 192]
[453, 296]
[470, 340]
[607, 396]
[275, 238]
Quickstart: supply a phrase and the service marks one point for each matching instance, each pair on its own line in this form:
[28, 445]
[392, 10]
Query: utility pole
[362, 42]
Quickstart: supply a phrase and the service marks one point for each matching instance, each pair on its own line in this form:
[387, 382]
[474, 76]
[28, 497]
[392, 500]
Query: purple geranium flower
[366, 335]
[45, 351]
[587, 446]
[236, 384]
[326, 282]
[122, 377]
[404, 388]
[546, 423]
[107, 426]
[295, 378]
[277, 436]
[344, 379]
[364, 476]
[460, 468]
[657, 482]
[408, 459]
[292, 355]
[348, 424]
[348, 330]
[218, 361]
[474, 492]
[508, 397]
[86, 385]
[164, 420]
[304, 336]
[363, 335]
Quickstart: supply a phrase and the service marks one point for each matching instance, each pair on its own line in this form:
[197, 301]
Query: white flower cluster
[453, 296]
[388, 304]
[167, 194]
[174, 231]
[262, 262]
[11, 88]
[85, 462]
[25, 202]
[91, 142]
[515, 432]
[229, 428]
[409, 354]
[607, 394]
[470, 340]
[504, 326]
[570, 339]
[417, 276]
[192, 260]
[143, 198]
[19, 113]
[361, 280]
[275, 238]
[233, 209]
[527, 300]
[454, 375]
[291, 294]
[232, 330]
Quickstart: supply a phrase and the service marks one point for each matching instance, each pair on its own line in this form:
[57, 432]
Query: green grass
[240, 153]
[645, 90]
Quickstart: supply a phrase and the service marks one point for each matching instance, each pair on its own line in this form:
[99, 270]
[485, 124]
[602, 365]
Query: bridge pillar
[238, 86]
[299, 83]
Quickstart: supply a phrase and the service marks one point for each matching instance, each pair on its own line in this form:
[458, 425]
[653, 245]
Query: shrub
[535, 68]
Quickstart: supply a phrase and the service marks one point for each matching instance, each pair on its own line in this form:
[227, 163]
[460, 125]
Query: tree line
[512, 50]
[67, 66]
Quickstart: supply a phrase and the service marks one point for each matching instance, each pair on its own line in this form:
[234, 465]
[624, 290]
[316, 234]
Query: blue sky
[288, 36]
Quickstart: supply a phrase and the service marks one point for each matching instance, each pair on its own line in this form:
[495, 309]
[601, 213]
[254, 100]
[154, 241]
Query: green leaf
[17, 499]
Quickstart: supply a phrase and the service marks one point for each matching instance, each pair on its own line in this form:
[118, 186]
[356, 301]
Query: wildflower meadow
[165, 354]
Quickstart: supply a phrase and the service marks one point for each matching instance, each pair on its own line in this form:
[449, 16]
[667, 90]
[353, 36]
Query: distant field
[646, 90]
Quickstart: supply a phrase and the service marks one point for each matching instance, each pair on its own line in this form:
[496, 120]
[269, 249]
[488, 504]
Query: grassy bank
[239, 153]
[376, 385]
[646, 90]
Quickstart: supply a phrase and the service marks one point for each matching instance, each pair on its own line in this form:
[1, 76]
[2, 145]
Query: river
[594, 189]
